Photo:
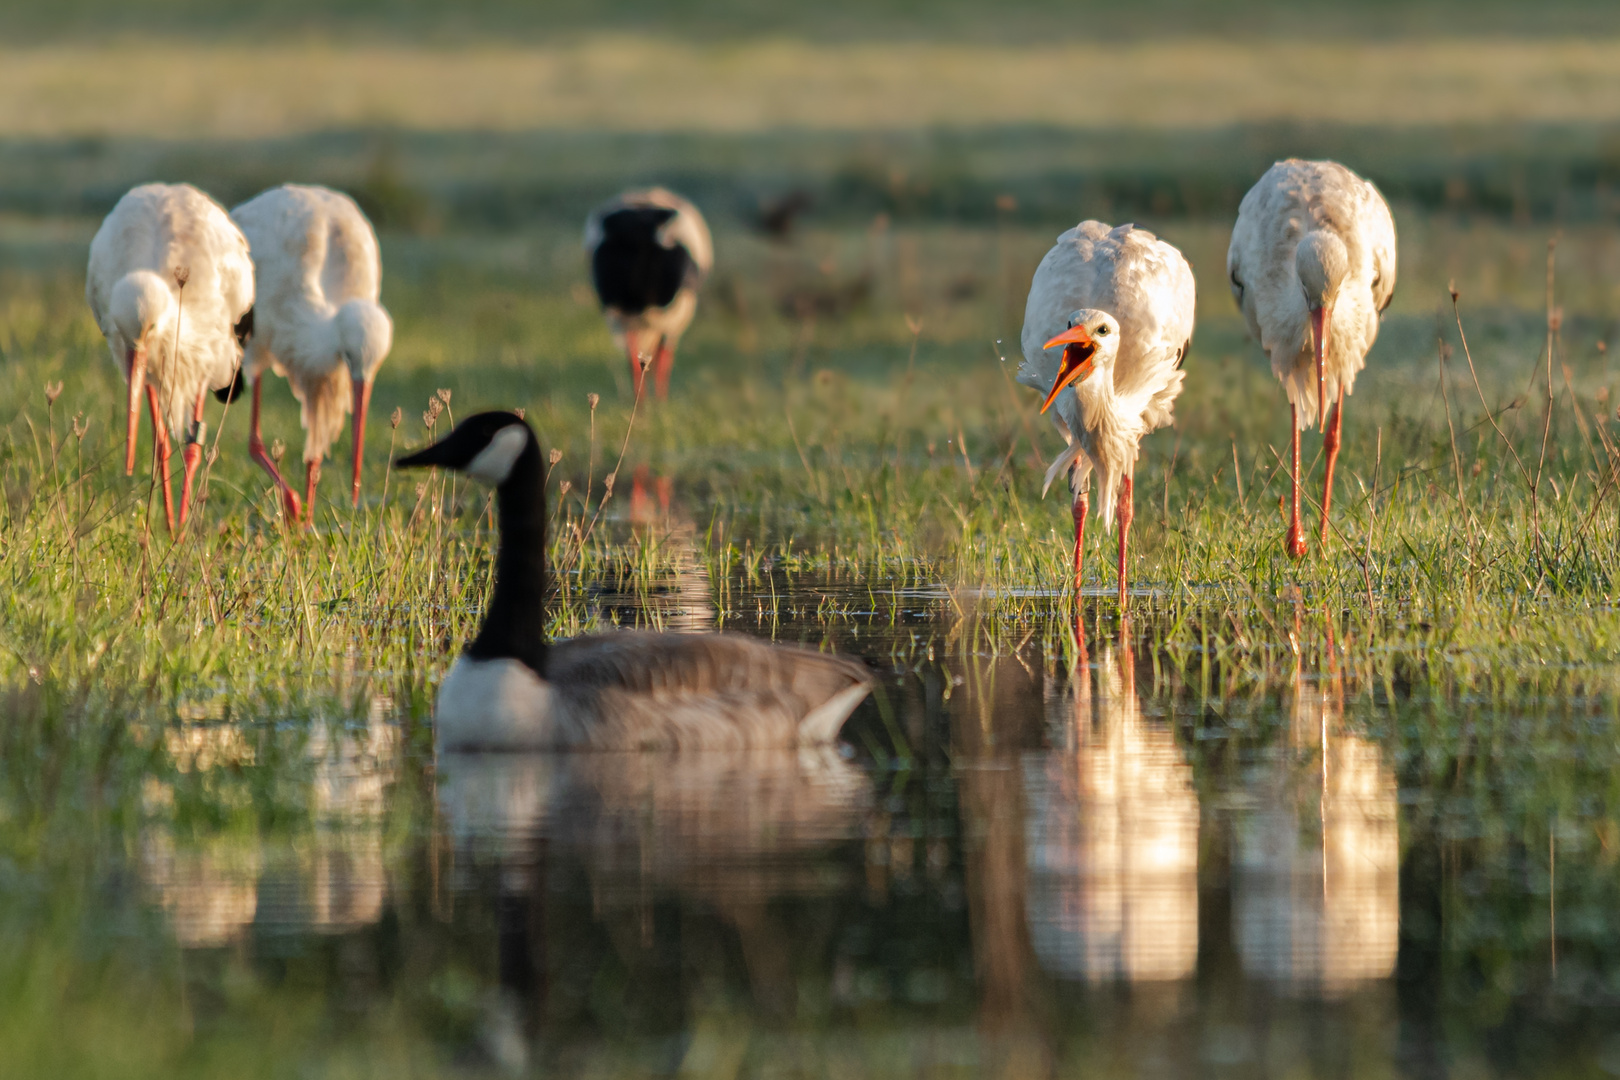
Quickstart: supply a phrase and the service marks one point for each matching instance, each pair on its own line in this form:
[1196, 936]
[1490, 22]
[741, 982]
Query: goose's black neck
[515, 623]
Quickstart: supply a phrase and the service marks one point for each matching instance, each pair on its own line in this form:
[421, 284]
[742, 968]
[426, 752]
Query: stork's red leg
[1296, 536]
[638, 370]
[312, 477]
[640, 504]
[160, 442]
[664, 364]
[289, 497]
[1125, 512]
[1082, 506]
[1330, 443]
[192, 454]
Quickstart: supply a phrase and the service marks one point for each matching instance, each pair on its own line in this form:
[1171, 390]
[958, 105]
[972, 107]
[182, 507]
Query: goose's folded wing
[645, 690]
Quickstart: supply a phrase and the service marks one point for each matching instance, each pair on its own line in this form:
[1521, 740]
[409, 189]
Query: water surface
[1011, 866]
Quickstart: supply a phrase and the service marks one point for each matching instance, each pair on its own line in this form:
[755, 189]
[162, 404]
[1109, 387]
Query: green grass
[848, 482]
[828, 449]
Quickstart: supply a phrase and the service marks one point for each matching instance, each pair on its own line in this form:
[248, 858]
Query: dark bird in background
[650, 251]
[777, 216]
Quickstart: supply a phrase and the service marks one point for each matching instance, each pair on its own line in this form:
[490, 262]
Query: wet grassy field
[1349, 816]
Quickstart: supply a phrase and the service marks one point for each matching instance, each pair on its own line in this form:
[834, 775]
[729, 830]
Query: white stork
[317, 320]
[650, 251]
[1312, 265]
[169, 279]
[1120, 303]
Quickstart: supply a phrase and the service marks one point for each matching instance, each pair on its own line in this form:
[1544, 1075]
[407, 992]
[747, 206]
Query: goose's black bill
[457, 449]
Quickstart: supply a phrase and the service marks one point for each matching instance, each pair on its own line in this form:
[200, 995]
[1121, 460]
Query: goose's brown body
[716, 691]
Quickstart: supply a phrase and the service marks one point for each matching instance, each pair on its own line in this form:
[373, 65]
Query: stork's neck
[1112, 431]
[1100, 404]
[515, 622]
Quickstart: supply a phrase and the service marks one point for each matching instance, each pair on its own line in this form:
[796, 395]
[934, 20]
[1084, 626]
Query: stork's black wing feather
[631, 270]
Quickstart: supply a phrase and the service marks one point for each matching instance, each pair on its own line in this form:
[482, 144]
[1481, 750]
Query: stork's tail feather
[233, 391]
[1061, 465]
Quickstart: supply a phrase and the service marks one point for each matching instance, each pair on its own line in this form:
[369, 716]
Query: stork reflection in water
[1316, 901]
[1113, 836]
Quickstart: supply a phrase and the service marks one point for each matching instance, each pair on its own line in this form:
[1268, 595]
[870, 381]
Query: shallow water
[1010, 867]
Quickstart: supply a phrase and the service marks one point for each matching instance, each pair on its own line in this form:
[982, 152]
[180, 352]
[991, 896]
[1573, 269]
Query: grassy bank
[845, 443]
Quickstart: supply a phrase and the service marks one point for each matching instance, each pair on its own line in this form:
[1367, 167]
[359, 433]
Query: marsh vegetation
[1376, 784]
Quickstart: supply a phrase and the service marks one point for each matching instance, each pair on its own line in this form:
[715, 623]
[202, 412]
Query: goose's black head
[486, 447]
[500, 449]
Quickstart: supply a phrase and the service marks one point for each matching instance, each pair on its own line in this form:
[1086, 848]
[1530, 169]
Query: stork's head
[1091, 342]
[140, 308]
[364, 333]
[1322, 261]
[140, 313]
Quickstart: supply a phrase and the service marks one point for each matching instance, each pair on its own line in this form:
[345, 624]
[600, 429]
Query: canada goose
[512, 690]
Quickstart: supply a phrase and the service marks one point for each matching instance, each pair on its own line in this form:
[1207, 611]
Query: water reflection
[1316, 864]
[1113, 836]
[1022, 870]
[723, 833]
[687, 605]
[331, 880]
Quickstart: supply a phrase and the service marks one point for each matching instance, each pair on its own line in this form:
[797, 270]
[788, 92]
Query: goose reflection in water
[1316, 864]
[723, 832]
[1113, 838]
[213, 889]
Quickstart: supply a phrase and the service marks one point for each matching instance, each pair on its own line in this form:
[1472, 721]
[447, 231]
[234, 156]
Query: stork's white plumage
[168, 280]
[1120, 303]
[1312, 265]
[317, 321]
[650, 251]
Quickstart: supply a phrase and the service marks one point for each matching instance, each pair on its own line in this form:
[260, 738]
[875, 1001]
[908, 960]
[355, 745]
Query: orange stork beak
[1079, 349]
[137, 383]
[362, 401]
[1320, 320]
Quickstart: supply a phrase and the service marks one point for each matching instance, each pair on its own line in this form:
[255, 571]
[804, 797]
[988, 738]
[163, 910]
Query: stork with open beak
[169, 279]
[1119, 303]
[317, 322]
[1312, 266]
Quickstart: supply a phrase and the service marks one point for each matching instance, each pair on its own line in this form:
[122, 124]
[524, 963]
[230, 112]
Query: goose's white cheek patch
[494, 462]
